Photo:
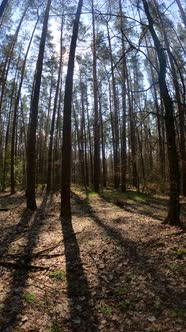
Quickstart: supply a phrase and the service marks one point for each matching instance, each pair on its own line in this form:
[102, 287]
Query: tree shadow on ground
[9, 199]
[82, 315]
[14, 232]
[155, 208]
[138, 256]
[13, 303]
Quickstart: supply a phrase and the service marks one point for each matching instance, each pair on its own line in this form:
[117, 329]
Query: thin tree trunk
[133, 140]
[5, 72]
[182, 13]
[173, 217]
[96, 111]
[3, 7]
[31, 143]
[180, 108]
[16, 106]
[116, 113]
[54, 112]
[104, 166]
[124, 93]
[66, 147]
[90, 142]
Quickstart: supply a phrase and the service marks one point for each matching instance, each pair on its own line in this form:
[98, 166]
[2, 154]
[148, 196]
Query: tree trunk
[31, 143]
[124, 92]
[66, 148]
[54, 112]
[16, 106]
[116, 113]
[96, 111]
[104, 166]
[6, 70]
[180, 106]
[182, 13]
[133, 140]
[173, 217]
[3, 7]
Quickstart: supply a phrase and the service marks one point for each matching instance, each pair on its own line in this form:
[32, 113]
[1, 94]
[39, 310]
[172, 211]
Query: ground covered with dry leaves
[116, 268]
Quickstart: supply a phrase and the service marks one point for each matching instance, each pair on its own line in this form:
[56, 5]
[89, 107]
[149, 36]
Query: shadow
[136, 254]
[12, 199]
[14, 232]
[4, 195]
[13, 304]
[82, 315]
[159, 205]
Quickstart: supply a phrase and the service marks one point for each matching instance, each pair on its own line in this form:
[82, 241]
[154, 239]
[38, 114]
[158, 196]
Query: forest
[92, 165]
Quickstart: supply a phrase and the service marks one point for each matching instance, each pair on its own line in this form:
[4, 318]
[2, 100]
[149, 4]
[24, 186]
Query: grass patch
[58, 275]
[153, 328]
[92, 194]
[115, 196]
[126, 305]
[30, 297]
[175, 267]
[119, 292]
[180, 252]
[106, 310]
[177, 313]
[55, 328]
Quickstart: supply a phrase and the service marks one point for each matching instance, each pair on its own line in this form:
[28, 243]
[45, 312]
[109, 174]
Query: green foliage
[114, 196]
[175, 267]
[126, 305]
[106, 310]
[58, 275]
[177, 313]
[55, 328]
[18, 170]
[78, 290]
[105, 236]
[119, 291]
[1, 306]
[153, 328]
[29, 297]
[92, 194]
[157, 305]
[179, 252]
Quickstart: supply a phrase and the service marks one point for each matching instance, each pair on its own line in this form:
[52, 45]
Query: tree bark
[182, 13]
[96, 111]
[49, 173]
[66, 147]
[124, 92]
[116, 113]
[16, 106]
[173, 216]
[3, 7]
[31, 143]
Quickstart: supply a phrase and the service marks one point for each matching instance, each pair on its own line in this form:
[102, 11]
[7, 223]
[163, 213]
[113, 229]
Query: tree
[96, 110]
[182, 13]
[124, 93]
[54, 111]
[3, 7]
[66, 147]
[31, 143]
[173, 216]
[16, 106]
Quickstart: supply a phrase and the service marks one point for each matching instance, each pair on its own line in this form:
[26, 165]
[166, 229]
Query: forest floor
[117, 268]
